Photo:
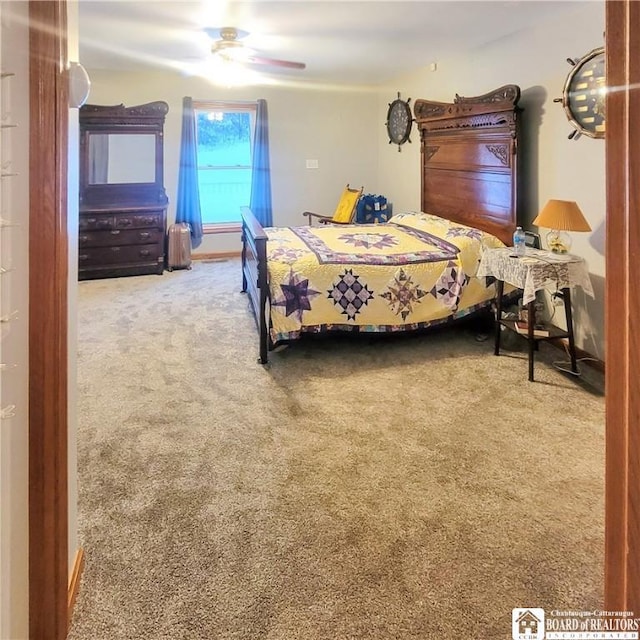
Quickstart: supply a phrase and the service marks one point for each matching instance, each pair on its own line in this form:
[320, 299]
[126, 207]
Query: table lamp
[561, 216]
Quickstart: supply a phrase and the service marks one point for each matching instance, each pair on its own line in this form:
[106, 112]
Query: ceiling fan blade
[275, 63]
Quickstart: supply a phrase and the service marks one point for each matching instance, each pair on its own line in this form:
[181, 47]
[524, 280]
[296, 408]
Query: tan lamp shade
[562, 215]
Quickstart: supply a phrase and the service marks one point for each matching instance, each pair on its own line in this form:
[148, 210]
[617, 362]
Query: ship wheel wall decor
[584, 95]
[399, 121]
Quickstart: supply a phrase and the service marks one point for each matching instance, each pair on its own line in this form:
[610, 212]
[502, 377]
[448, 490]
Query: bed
[418, 269]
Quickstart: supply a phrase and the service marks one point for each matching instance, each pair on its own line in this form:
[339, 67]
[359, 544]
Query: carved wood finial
[507, 93]
[463, 109]
[151, 109]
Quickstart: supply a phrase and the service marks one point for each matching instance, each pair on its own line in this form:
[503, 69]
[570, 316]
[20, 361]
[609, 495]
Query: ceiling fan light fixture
[223, 72]
[232, 51]
[229, 49]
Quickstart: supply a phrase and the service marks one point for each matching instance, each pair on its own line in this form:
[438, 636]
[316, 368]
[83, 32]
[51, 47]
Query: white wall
[337, 128]
[14, 345]
[552, 165]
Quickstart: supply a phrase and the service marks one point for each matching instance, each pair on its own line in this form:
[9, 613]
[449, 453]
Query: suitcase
[179, 246]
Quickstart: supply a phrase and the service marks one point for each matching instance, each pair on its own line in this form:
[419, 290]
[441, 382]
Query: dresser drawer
[120, 255]
[118, 237]
[96, 222]
[139, 221]
[121, 241]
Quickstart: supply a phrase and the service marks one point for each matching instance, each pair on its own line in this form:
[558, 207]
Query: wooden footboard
[254, 275]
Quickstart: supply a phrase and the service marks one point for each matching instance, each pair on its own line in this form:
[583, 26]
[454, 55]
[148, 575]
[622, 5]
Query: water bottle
[518, 242]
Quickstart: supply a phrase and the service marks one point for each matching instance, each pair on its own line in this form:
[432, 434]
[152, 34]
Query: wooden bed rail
[255, 276]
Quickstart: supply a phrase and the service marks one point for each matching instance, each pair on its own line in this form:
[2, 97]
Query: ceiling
[341, 41]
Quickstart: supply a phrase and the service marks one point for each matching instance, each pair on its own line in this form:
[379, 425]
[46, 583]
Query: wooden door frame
[48, 309]
[48, 499]
[622, 307]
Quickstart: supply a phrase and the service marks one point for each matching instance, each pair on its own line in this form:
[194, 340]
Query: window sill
[222, 227]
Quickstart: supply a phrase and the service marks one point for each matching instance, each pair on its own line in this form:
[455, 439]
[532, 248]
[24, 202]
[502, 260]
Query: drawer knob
[144, 253]
[144, 235]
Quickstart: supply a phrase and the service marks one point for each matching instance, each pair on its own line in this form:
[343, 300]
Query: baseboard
[592, 361]
[74, 581]
[219, 255]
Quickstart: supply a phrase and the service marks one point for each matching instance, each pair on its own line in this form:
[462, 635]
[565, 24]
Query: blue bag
[372, 209]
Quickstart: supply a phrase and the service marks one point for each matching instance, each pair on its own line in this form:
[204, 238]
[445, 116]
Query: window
[225, 141]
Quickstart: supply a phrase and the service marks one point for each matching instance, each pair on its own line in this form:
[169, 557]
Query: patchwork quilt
[414, 271]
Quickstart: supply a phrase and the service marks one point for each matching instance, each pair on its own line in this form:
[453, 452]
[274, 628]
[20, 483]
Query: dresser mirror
[121, 153]
[121, 158]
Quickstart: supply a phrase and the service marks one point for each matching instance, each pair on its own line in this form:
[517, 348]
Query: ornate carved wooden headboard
[469, 152]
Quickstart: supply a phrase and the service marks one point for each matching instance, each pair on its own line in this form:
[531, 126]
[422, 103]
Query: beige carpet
[415, 487]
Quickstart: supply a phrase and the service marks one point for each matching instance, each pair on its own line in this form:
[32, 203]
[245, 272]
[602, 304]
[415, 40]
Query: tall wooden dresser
[123, 202]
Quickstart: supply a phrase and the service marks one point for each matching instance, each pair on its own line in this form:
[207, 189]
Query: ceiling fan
[227, 44]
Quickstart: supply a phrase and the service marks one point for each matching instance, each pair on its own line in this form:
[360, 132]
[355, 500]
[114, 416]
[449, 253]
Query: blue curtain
[260, 202]
[188, 203]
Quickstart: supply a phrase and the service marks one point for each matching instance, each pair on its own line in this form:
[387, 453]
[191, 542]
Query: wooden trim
[622, 306]
[250, 106]
[216, 255]
[222, 227]
[74, 581]
[48, 353]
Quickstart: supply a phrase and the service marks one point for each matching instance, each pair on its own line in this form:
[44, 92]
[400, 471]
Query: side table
[532, 272]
